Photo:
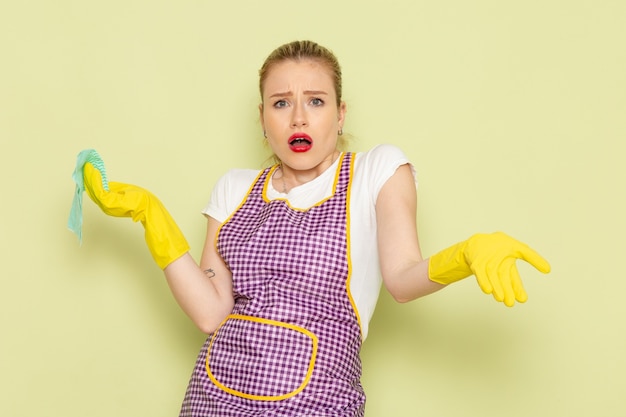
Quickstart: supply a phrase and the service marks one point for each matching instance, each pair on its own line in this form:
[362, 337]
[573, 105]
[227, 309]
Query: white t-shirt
[371, 170]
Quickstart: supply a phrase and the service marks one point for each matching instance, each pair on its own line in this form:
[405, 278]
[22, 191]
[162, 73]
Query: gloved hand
[491, 258]
[165, 240]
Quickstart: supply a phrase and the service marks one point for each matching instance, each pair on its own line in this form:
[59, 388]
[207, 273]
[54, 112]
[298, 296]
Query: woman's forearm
[206, 299]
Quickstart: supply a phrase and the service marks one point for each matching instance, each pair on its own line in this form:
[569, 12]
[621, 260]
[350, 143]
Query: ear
[341, 114]
[261, 116]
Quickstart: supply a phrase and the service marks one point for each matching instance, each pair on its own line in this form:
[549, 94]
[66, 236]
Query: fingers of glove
[497, 281]
[482, 277]
[126, 200]
[108, 201]
[533, 258]
[516, 283]
[506, 279]
[93, 182]
[119, 201]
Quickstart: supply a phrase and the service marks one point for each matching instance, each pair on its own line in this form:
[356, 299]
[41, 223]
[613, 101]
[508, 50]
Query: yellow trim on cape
[319, 203]
[348, 244]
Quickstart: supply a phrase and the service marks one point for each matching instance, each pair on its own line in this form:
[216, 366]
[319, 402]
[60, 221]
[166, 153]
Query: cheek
[268, 122]
[330, 121]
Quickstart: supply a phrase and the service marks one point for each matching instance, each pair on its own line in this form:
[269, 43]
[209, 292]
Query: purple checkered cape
[291, 345]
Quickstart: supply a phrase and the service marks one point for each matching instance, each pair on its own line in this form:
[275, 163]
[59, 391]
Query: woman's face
[299, 115]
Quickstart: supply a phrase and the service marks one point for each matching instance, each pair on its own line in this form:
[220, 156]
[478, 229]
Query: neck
[288, 178]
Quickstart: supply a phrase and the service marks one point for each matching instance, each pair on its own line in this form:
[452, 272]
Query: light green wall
[513, 113]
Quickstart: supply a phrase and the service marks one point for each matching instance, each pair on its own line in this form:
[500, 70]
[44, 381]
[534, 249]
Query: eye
[280, 104]
[317, 102]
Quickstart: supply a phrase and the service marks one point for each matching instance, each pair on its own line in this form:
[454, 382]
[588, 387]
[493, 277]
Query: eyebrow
[307, 92]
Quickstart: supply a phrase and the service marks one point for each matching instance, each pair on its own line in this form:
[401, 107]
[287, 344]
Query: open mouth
[300, 142]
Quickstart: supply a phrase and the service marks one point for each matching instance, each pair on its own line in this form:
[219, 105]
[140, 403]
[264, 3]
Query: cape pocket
[261, 359]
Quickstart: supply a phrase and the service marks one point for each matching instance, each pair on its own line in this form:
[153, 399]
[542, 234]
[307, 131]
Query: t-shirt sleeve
[228, 193]
[381, 162]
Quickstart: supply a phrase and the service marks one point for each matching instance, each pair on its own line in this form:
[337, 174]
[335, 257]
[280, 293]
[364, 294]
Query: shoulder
[385, 153]
[229, 190]
[235, 183]
[381, 161]
[374, 167]
[237, 178]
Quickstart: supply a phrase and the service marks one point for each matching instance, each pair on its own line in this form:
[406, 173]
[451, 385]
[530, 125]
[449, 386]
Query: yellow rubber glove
[165, 240]
[491, 258]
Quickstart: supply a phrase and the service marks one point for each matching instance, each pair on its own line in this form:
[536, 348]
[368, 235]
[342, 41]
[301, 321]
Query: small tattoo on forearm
[209, 272]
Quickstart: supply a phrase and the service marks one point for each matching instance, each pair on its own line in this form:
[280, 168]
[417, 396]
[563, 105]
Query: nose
[298, 116]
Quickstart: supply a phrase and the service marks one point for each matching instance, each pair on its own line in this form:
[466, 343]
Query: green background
[512, 112]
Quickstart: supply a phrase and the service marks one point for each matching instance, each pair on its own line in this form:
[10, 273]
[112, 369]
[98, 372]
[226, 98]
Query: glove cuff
[163, 237]
[449, 265]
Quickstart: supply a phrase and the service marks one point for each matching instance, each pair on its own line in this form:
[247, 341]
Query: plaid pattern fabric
[291, 345]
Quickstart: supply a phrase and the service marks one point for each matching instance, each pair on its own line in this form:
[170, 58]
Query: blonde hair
[298, 51]
[305, 50]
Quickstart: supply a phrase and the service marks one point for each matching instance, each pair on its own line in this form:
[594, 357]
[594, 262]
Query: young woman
[295, 254]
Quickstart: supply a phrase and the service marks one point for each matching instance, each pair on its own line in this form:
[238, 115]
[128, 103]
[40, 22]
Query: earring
[340, 132]
[265, 134]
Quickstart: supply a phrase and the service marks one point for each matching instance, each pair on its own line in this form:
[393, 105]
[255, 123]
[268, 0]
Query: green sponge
[75, 220]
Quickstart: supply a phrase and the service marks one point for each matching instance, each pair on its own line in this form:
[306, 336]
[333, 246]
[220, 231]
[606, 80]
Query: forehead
[291, 75]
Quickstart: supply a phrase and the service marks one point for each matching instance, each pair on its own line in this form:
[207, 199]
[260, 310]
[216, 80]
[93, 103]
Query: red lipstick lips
[300, 142]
